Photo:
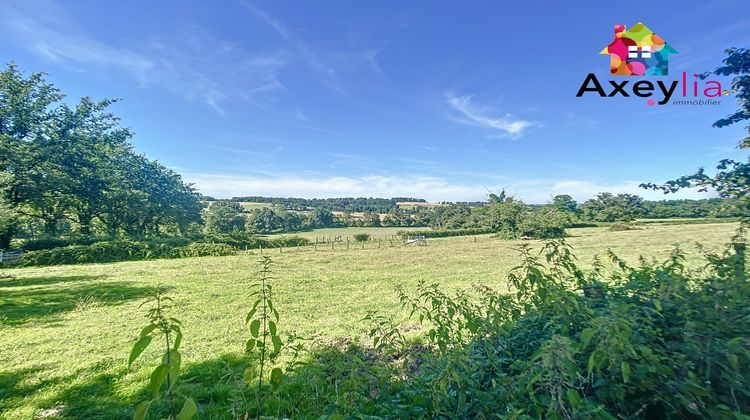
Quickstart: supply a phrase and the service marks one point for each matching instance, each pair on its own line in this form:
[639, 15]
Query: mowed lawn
[65, 332]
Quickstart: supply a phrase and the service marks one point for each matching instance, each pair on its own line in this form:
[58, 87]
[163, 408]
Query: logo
[638, 52]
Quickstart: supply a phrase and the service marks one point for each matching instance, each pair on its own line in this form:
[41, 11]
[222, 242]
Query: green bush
[203, 249]
[619, 227]
[122, 250]
[444, 233]
[255, 242]
[361, 237]
[653, 341]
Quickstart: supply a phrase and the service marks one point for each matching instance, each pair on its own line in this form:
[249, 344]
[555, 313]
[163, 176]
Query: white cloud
[192, 64]
[432, 188]
[468, 112]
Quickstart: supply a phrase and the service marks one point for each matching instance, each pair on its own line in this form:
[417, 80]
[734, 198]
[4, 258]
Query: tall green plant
[264, 340]
[164, 377]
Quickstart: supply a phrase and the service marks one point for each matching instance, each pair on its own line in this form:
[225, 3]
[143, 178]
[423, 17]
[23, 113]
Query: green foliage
[652, 341]
[264, 341]
[608, 207]
[565, 203]
[619, 227]
[361, 237]
[255, 241]
[124, 250]
[444, 233]
[203, 249]
[732, 178]
[166, 374]
[737, 63]
[71, 165]
[224, 217]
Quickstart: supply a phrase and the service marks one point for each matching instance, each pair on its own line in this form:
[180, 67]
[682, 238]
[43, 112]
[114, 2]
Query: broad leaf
[188, 410]
[157, 379]
[254, 327]
[141, 410]
[138, 348]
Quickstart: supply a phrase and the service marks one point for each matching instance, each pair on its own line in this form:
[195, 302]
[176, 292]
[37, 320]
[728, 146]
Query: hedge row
[255, 242]
[122, 250]
[43, 252]
[444, 233]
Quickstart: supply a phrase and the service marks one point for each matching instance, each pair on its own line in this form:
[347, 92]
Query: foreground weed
[264, 340]
[165, 375]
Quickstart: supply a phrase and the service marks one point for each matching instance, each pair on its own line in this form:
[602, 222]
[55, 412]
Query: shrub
[122, 250]
[444, 233]
[254, 241]
[203, 249]
[619, 227]
[361, 237]
[653, 341]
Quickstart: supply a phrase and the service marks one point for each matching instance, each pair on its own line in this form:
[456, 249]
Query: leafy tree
[371, 219]
[566, 203]
[73, 166]
[8, 215]
[607, 207]
[732, 177]
[320, 217]
[453, 216]
[505, 215]
[225, 217]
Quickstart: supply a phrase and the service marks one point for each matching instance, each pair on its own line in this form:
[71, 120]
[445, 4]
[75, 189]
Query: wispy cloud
[433, 188]
[298, 45]
[192, 64]
[321, 187]
[467, 112]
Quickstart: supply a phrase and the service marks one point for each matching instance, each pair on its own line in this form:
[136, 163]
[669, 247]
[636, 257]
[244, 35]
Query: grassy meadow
[66, 331]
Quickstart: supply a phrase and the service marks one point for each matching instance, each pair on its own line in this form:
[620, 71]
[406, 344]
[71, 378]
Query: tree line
[68, 168]
[351, 204]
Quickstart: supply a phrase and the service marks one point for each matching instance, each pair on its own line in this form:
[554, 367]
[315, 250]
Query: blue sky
[443, 100]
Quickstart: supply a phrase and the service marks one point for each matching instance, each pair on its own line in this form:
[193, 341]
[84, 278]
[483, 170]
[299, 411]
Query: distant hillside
[350, 204]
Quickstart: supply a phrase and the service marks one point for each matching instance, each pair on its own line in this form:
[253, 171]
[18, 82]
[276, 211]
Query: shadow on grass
[334, 379]
[12, 281]
[31, 304]
[96, 398]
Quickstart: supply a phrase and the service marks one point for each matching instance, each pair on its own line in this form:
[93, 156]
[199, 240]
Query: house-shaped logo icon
[638, 52]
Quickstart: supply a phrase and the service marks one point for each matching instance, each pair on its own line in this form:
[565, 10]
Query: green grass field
[247, 206]
[65, 332]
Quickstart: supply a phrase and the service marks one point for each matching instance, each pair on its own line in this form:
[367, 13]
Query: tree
[732, 179]
[370, 218]
[225, 217]
[505, 214]
[320, 217]
[565, 203]
[8, 214]
[74, 166]
[607, 207]
[265, 220]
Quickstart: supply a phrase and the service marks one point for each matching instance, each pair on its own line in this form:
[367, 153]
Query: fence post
[261, 248]
[332, 245]
[347, 243]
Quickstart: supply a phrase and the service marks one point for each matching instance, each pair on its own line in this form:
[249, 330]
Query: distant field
[65, 332]
[252, 206]
[408, 205]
